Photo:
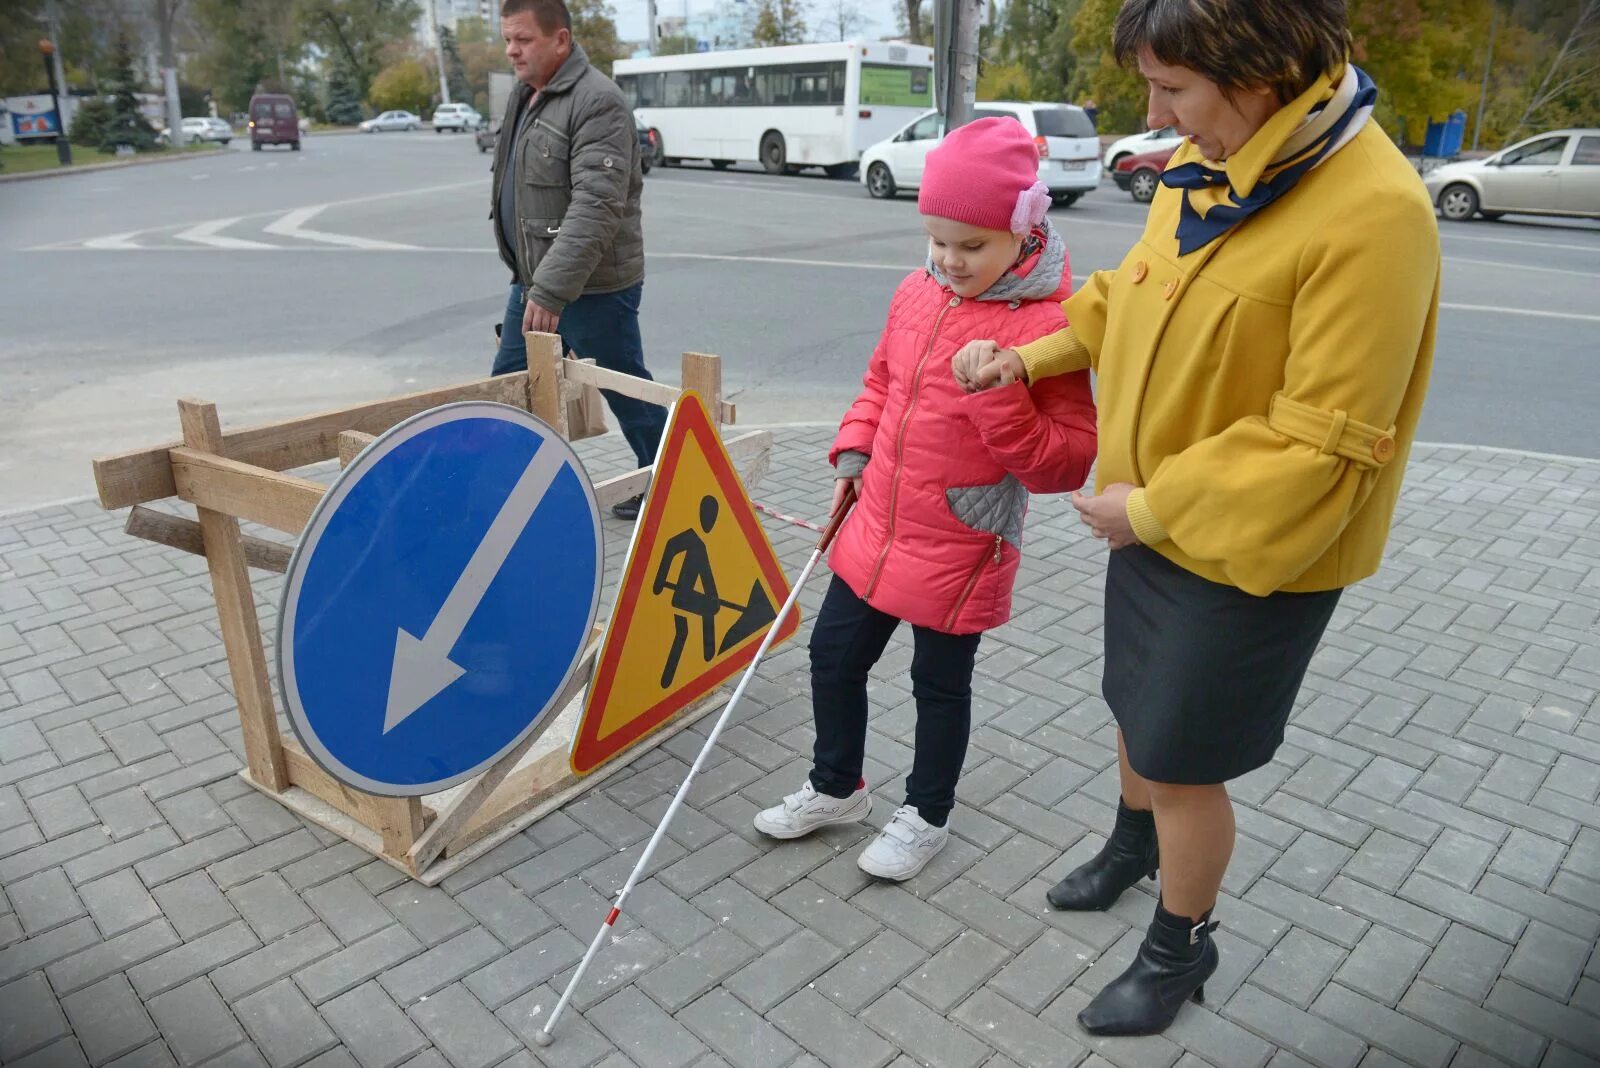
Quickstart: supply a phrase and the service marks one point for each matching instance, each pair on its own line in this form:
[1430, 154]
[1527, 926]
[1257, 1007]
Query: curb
[92, 168]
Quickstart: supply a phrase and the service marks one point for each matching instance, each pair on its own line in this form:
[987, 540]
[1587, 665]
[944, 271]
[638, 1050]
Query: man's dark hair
[1239, 44]
[551, 15]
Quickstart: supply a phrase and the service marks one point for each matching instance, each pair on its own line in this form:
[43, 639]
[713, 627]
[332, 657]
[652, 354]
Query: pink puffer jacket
[935, 539]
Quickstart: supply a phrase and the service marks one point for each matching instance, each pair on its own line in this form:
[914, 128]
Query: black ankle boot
[1174, 962]
[1129, 855]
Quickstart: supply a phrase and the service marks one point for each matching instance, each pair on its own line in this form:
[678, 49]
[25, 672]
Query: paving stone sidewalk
[1417, 879]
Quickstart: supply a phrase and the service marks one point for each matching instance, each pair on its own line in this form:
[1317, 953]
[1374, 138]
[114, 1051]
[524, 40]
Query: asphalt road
[279, 283]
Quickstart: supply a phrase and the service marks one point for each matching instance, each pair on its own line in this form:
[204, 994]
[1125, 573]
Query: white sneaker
[904, 848]
[803, 812]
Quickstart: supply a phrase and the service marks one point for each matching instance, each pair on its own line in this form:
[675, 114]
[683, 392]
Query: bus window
[678, 93]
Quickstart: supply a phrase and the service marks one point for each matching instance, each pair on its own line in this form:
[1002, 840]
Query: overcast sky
[631, 24]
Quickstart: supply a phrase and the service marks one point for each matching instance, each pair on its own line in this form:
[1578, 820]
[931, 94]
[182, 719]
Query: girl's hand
[969, 360]
[839, 485]
[1106, 515]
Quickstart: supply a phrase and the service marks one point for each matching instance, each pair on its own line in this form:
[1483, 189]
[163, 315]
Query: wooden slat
[369, 810]
[637, 388]
[703, 374]
[141, 475]
[463, 805]
[236, 612]
[545, 372]
[351, 442]
[232, 487]
[177, 532]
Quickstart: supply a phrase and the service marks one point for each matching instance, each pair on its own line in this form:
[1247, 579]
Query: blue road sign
[439, 599]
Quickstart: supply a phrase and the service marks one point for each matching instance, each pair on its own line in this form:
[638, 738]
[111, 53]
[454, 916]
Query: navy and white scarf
[1211, 207]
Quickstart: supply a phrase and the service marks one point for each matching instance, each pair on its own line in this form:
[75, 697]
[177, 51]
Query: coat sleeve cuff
[1054, 354]
[850, 464]
[1146, 527]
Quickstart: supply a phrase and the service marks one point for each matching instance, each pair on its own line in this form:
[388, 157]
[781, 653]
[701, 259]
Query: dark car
[486, 134]
[1141, 174]
[274, 121]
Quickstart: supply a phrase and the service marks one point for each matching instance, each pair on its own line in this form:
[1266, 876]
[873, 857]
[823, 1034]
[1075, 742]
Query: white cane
[545, 1036]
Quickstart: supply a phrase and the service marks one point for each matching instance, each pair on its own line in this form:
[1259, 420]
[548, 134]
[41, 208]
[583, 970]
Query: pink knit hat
[986, 174]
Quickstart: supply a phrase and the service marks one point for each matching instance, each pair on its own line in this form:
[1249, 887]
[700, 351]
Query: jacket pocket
[994, 509]
[549, 155]
[537, 235]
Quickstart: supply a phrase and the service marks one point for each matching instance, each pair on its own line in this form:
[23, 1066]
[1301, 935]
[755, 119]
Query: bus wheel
[880, 183]
[722, 164]
[774, 153]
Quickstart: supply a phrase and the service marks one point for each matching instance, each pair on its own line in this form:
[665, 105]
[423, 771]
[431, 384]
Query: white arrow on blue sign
[439, 599]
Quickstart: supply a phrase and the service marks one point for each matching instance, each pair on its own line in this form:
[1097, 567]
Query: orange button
[1383, 449]
[1170, 289]
[1140, 269]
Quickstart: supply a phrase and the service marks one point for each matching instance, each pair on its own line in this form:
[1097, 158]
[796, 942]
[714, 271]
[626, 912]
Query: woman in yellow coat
[1262, 355]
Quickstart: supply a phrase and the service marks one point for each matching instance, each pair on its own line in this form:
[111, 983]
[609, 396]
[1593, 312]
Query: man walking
[565, 205]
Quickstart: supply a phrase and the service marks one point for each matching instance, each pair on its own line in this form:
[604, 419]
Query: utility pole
[1483, 90]
[63, 146]
[166, 30]
[655, 32]
[955, 61]
[53, 18]
[438, 52]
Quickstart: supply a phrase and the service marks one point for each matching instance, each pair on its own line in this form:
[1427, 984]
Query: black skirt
[1202, 676]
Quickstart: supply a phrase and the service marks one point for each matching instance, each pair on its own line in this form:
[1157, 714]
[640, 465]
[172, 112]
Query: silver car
[1555, 173]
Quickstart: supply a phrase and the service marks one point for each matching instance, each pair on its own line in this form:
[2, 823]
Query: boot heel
[1200, 994]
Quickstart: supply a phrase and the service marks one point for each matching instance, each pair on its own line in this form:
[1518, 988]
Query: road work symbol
[697, 594]
[439, 599]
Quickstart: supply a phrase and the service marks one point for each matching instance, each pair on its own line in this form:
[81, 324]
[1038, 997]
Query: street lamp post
[63, 147]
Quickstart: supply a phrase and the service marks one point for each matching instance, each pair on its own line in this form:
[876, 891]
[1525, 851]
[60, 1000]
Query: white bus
[815, 105]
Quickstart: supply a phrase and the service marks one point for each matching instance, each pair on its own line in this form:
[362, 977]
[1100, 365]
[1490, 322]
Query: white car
[1069, 150]
[201, 128]
[1138, 144]
[1555, 173]
[391, 120]
[457, 117]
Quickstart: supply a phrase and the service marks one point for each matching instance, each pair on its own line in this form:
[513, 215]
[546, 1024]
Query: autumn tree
[356, 32]
[779, 22]
[244, 42]
[839, 20]
[407, 84]
[1119, 93]
[594, 26]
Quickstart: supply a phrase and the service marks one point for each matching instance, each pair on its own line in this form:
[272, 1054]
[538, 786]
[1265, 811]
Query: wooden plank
[703, 374]
[545, 371]
[351, 442]
[367, 809]
[637, 388]
[464, 804]
[271, 498]
[177, 532]
[141, 475]
[236, 611]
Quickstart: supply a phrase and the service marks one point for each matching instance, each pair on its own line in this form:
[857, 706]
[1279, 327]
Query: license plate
[1073, 164]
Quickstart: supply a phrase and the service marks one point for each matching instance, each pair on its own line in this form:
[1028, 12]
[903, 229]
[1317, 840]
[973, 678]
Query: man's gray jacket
[576, 170]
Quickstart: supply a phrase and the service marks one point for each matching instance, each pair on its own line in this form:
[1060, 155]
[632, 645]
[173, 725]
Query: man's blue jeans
[603, 327]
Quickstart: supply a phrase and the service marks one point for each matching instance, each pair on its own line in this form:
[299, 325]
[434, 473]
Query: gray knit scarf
[1041, 282]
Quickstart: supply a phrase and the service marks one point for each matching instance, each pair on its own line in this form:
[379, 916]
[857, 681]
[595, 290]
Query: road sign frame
[689, 411]
[305, 548]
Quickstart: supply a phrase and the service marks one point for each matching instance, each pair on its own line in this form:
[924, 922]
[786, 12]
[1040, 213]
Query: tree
[405, 85]
[675, 44]
[840, 20]
[126, 125]
[455, 71]
[1421, 54]
[779, 22]
[1033, 43]
[89, 124]
[596, 30]
[1575, 69]
[911, 18]
[245, 42]
[1119, 93]
[356, 32]
[344, 101]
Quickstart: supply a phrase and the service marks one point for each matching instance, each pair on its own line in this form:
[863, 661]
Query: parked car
[1069, 149]
[201, 128]
[391, 120]
[1141, 174]
[1140, 143]
[457, 117]
[1554, 173]
[274, 121]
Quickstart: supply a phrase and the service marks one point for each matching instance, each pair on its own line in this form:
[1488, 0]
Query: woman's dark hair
[1284, 45]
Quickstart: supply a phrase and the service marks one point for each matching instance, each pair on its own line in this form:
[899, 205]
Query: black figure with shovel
[694, 594]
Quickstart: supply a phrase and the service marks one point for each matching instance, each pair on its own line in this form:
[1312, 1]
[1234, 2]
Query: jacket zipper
[972, 583]
[900, 446]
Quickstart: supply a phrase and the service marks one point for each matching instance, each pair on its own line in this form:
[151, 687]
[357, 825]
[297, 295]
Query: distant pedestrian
[565, 207]
[1091, 109]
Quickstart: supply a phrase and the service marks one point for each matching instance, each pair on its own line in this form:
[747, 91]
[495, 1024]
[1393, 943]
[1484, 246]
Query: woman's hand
[1106, 515]
[839, 489]
[969, 360]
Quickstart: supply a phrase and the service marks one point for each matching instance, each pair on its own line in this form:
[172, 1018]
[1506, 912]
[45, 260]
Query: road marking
[1519, 267]
[902, 268]
[207, 234]
[1517, 241]
[1497, 310]
[293, 225]
[114, 242]
[198, 177]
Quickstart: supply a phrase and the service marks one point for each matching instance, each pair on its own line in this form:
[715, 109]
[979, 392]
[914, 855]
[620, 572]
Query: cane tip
[543, 1038]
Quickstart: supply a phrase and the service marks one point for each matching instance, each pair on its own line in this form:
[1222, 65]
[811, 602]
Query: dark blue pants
[847, 639]
[603, 327]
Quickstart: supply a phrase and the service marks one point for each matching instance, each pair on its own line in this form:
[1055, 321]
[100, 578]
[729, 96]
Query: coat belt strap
[1333, 433]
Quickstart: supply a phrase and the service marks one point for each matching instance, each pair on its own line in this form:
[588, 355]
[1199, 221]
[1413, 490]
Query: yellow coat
[1264, 390]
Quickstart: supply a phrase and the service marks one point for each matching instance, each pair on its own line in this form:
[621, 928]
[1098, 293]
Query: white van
[457, 117]
[1069, 149]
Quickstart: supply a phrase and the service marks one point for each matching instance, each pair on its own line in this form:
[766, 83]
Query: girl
[943, 480]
